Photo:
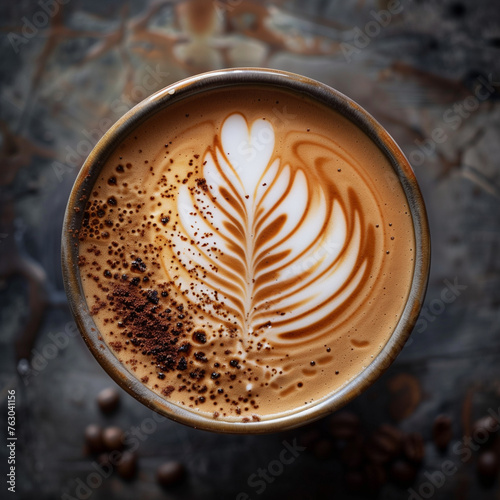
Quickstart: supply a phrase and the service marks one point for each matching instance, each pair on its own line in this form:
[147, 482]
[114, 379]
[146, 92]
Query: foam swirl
[282, 253]
[246, 253]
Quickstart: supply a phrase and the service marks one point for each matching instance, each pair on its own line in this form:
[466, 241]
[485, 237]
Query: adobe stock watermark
[429, 313]
[39, 20]
[328, 248]
[278, 118]
[449, 293]
[41, 356]
[263, 477]
[131, 440]
[361, 38]
[152, 79]
[463, 449]
[249, 149]
[453, 117]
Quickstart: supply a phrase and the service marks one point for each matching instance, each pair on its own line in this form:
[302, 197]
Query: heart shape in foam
[247, 150]
[282, 254]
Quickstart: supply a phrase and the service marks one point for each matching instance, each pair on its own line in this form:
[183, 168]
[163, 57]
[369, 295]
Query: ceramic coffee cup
[161, 101]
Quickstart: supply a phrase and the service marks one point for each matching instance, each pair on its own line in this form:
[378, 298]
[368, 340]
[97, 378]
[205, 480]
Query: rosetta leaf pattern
[272, 252]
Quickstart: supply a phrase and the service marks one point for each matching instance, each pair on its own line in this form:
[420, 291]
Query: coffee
[246, 252]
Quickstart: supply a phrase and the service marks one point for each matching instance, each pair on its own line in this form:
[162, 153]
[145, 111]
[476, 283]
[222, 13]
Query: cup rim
[157, 102]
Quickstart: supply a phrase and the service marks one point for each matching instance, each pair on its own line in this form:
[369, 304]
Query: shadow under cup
[165, 98]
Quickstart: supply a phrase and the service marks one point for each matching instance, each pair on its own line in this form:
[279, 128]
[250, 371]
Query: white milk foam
[240, 264]
[266, 190]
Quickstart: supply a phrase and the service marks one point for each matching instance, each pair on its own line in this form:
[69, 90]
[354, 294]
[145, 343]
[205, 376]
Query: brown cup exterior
[182, 90]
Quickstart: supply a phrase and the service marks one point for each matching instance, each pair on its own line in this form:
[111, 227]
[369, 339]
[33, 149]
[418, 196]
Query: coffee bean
[403, 473]
[344, 425]
[376, 476]
[487, 465]
[442, 432]
[384, 444]
[392, 437]
[355, 480]
[127, 465]
[108, 400]
[170, 473]
[376, 454]
[352, 455]
[309, 437]
[485, 429]
[113, 438]
[103, 460]
[323, 449]
[413, 447]
[94, 438]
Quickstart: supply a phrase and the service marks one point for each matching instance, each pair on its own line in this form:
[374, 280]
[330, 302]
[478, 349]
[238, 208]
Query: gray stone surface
[65, 77]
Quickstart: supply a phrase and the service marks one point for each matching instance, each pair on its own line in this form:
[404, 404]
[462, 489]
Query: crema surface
[246, 252]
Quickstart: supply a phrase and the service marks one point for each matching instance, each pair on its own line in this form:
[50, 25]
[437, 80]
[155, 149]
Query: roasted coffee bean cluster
[107, 445]
[485, 431]
[370, 460]
[387, 454]
[108, 400]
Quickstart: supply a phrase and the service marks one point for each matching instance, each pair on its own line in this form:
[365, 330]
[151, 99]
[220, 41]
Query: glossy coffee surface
[246, 252]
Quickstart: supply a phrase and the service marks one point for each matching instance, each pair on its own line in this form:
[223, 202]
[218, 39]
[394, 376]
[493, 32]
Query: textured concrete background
[428, 71]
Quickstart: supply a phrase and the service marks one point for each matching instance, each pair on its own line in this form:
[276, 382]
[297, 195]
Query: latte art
[265, 242]
[243, 266]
